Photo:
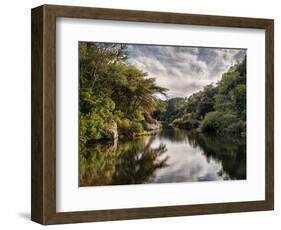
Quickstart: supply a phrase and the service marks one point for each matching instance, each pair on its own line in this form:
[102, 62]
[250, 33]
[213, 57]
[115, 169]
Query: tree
[113, 91]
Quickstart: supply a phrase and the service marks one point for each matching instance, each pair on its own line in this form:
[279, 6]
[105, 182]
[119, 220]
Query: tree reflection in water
[172, 155]
[132, 162]
[230, 151]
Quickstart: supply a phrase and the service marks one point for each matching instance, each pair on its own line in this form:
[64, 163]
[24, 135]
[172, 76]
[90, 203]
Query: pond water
[171, 155]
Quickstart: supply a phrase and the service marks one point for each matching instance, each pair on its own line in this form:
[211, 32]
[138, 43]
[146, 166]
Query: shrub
[91, 127]
[188, 121]
[96, 115]
[221, 124]
[136, 127]
[128, 128]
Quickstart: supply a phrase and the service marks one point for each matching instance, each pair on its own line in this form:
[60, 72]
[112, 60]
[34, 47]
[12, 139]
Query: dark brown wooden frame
[43, 170]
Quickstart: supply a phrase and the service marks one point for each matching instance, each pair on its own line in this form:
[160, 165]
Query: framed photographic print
[141, 114]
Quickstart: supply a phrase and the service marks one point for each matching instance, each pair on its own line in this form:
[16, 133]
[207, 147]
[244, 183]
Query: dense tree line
[219, 109]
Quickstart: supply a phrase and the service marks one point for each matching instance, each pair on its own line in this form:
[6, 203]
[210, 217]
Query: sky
[183, 70]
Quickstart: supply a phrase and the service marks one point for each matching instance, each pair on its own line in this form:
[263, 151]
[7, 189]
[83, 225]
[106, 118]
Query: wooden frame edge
[43, 186]
[37, 204]
[269, 116]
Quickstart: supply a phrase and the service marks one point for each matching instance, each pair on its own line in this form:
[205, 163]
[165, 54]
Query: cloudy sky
[183, 70]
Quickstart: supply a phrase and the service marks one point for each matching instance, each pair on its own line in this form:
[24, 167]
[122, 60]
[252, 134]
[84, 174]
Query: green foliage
[188, 121]
[202, 102]
[229, 108]
[91, 127]
[218, 109]
[170, 109]
[238, 96]
[231, 97]
[128, 128]
[96, 114]
[222, 124]
[111, 91]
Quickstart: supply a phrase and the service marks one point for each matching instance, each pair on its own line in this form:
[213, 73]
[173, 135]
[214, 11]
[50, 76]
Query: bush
[188, 121]
[91, 127]
[128, 128]
[221, 124]
[96, 115]
[136, 127]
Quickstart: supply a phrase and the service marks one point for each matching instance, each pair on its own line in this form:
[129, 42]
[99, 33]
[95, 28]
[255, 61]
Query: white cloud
[183, 70]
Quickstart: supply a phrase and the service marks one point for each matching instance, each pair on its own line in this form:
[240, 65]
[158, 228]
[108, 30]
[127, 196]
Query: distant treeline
[219, 109]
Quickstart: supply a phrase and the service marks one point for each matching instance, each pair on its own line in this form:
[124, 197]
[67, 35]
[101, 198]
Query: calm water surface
[171, 155]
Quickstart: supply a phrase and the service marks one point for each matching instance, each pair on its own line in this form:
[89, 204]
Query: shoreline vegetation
[218, 110]
[118, 101]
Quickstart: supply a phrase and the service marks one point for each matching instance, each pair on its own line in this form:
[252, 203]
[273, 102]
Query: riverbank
[147, 133]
